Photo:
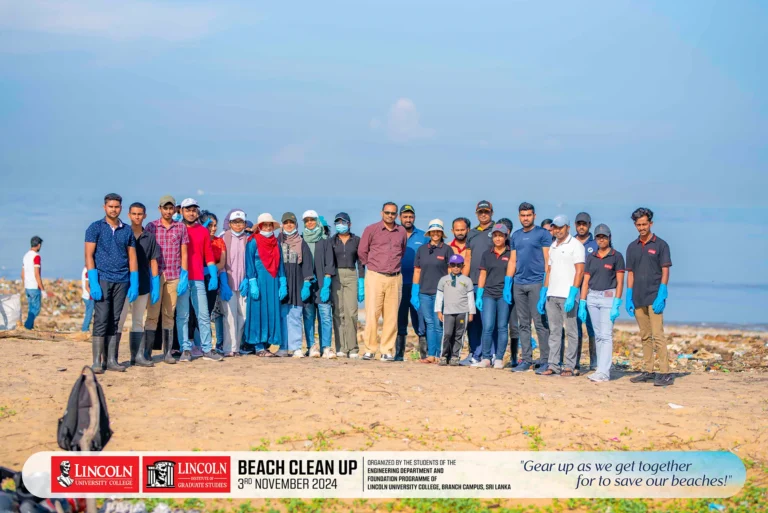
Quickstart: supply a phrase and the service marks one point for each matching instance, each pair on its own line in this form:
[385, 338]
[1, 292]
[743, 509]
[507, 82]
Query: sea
[719, 276]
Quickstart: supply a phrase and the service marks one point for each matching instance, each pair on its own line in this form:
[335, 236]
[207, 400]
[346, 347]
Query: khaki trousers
[166, 304]
[652, 333]
[344, 297]
[382, 299]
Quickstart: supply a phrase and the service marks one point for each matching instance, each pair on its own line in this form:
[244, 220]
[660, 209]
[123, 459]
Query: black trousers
[454, 326]
[106, 311]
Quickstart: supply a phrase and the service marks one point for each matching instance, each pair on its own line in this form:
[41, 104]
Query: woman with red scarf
[266, 286]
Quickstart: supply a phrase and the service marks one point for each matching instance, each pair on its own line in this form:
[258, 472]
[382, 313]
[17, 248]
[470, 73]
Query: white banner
[381, 475]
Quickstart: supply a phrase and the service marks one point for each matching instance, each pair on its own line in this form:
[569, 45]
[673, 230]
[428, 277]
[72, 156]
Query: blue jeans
[197, 294]
[33, 298]
[495, 325]
[434, 327]
[219, 322]
[325, 322]
[291, 318]
[88, 314]
[599, 306]
[475, 336]
[406, 308]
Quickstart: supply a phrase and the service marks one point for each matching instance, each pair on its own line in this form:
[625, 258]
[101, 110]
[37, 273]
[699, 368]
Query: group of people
[270, 284]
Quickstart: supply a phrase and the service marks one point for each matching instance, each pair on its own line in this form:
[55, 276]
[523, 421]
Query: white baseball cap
[310, 213]
[436, 224]
[189, 202]
[237, 214]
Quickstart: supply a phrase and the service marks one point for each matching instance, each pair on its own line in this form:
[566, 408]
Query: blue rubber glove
[282, 291]
[571, 301]
[325, 292]
[243, 289]
[213, 272]
[479, 300]
[224, 291]
[542, 304]
[582, 315]
[615, 309]
[133, 288]
[415, 296]
[360, 290]
[253, 285]
[305, 290]
[183, 285]
[93, 281]
[630, 304]
[507, 295]
[661, 300]
[154, 289]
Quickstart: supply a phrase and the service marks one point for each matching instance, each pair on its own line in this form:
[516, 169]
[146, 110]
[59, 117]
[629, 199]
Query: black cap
[483, 205]
[343, 216]
[35, 241]
[407, 208]
[583, 216]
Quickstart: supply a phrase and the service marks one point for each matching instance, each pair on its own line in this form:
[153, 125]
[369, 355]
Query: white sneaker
[329, 354]
[298, 354]
[314, 352]
[341, 354]
[354, 356]
[498, 364]
[482, 364]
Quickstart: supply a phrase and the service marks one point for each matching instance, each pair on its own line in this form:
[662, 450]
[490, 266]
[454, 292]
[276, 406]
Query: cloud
[123, 19]
[291, 154]
[403, 122]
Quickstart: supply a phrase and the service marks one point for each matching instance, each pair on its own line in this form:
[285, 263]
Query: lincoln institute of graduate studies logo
[187, 474]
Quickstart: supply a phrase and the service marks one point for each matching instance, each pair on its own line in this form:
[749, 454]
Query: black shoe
[368, 356]
[213, 356]
[97, 344]
[664, 380]
[112, 348]
[400, 348]
[643, 377]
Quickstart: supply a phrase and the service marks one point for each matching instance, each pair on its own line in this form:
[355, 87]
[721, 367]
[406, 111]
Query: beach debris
[716, 507]
[675, 406]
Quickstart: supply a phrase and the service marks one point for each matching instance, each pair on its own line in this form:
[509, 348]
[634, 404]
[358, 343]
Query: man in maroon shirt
[381, 250]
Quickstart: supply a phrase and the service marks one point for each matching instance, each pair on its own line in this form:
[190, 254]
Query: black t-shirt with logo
[602, 270]
[645, 261]
[433, 262]
[495, 267]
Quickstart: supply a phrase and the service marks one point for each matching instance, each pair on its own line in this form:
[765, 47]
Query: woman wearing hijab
[267, 286]
[430, 265]
[297, 262]
[318, 304]
[348, 287]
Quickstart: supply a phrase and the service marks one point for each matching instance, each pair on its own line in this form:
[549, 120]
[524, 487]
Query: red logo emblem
[440, 257]
[505, 259]
[608, 266]
[187, 474]
[652, 251]
[95, 474]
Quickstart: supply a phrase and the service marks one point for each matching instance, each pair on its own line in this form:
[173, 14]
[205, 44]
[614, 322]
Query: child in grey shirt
[455, 301]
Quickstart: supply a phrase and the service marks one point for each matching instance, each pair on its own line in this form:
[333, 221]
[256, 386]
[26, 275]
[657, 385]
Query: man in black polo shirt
[648, 263]
[478, 242]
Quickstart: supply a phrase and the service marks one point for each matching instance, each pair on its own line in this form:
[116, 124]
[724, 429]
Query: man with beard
[416, 238]
[584, 235]
[460, 229]
[478, 242]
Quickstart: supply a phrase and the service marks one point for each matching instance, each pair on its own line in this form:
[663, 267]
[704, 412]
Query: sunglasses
[455, 265]
[484, 212]
[390, 213]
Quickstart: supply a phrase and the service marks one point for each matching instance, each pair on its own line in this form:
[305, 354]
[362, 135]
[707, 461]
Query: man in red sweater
[199, 256]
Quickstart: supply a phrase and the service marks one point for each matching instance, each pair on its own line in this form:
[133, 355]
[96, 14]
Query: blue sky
[600, 106]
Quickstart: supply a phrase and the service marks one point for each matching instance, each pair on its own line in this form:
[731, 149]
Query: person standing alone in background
[87, 301]
[648, 263]
[32, 279]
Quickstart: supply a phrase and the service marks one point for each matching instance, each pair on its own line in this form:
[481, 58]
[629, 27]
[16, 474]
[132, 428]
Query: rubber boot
[514, 344]
[168, 347]
[137, 350]
[399, 348]
[97, 344]
[422, 347]
[592, 354]
[118, 338]
[149, 344]
[112, 348]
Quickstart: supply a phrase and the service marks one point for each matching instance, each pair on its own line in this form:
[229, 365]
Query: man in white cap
[235, 240]
[559, 296]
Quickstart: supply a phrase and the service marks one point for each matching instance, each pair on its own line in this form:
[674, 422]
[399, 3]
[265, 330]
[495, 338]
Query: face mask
[266, 234]
[292, 232]
[238, 234]
[176, 217]
[342, 228]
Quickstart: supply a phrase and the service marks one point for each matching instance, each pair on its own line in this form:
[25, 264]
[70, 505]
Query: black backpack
[86, 414]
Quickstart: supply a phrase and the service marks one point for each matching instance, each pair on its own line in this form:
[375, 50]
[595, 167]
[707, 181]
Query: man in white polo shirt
[565, 271]
[32, 280]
